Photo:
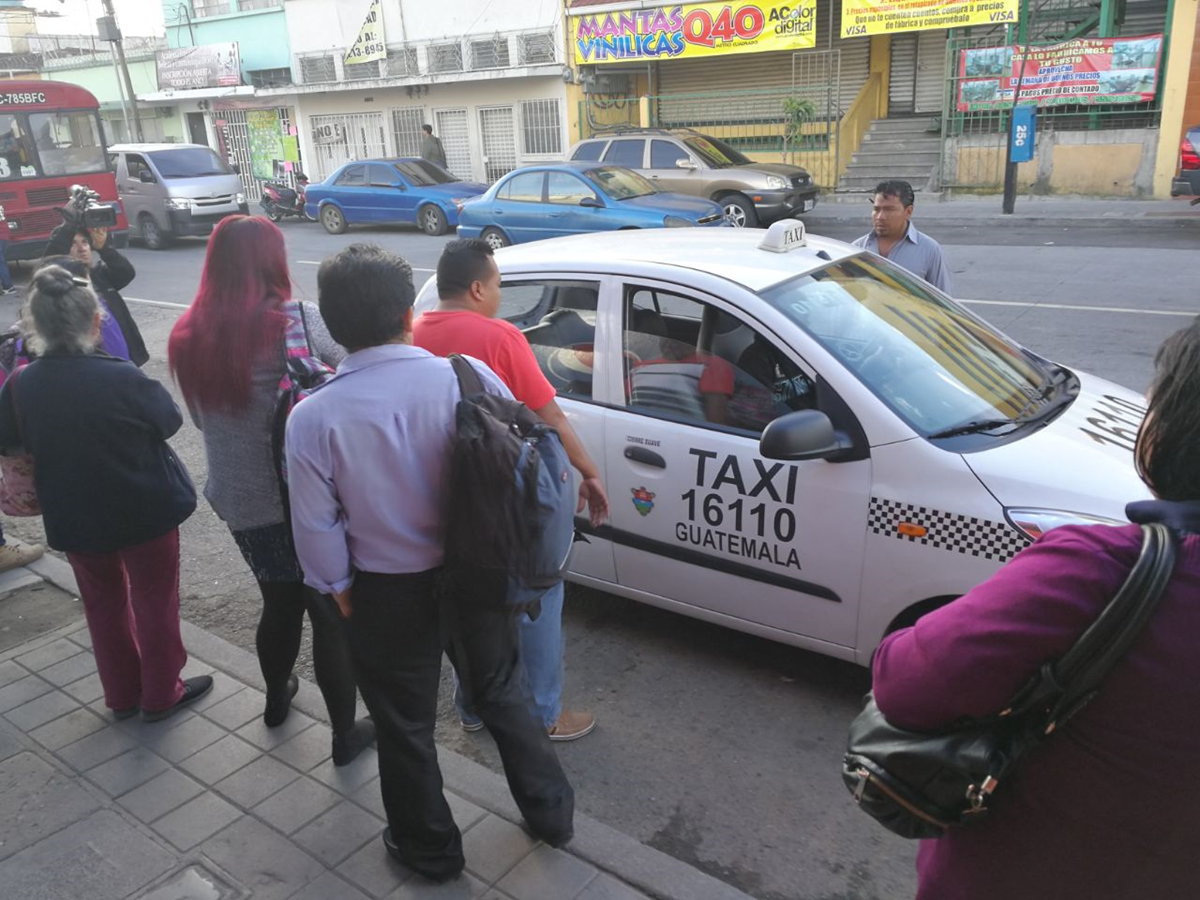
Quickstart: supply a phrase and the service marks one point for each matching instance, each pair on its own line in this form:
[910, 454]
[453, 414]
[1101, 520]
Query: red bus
[51, 138]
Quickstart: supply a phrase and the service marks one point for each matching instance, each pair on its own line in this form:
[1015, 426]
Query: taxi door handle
[648, 457]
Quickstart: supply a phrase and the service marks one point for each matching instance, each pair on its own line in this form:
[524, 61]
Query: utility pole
[115, 37]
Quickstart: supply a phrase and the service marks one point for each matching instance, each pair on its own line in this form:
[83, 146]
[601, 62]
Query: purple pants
[131, 599]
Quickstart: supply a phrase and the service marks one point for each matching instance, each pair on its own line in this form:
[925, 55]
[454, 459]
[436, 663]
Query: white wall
[471, 96]
[333, 24]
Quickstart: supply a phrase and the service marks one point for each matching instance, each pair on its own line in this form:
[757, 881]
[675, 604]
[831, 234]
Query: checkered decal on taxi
[947, 531]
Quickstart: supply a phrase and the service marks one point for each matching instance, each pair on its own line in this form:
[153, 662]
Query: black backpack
[511, 501]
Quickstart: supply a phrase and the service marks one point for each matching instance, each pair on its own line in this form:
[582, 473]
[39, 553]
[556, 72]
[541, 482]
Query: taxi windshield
[935, 365]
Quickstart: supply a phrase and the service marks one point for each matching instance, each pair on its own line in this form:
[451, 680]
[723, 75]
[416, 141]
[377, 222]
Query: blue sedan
[390, 190]
[575, 197]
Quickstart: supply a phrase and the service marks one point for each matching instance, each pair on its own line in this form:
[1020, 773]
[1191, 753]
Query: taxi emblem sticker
[643, 500]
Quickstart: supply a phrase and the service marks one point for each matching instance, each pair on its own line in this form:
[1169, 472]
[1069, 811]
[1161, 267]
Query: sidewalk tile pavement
[212, 804]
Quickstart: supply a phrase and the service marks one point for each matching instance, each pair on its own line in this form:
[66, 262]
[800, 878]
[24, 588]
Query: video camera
[85, 208]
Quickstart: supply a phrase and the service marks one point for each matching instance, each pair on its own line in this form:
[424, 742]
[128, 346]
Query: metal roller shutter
[931, 71]
[760, 71]
[1144, 18]
[902, 76]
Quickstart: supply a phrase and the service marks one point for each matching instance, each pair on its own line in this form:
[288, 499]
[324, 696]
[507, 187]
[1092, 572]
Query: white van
[175, 189]
[799, 439]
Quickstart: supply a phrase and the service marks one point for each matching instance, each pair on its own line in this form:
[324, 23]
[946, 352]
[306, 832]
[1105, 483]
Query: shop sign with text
[206, 66]
[693, 30]
[1085, 71]
[865, 17]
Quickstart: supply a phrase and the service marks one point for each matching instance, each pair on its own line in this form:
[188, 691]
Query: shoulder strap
[295, 335]
[469, 382]
[1067, 684]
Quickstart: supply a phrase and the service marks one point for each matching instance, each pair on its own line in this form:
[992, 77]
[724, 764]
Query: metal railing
[64, 51]
[445, 56]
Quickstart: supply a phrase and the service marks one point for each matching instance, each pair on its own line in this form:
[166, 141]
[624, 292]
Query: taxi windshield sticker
[759, 524]
[643, 500]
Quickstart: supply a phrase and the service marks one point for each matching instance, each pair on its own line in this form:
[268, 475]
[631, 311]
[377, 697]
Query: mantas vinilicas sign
[692, 30]
[1085, 71]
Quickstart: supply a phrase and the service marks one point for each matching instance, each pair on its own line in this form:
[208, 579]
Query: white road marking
[1110, 309]
[162, 303]
[317, 262]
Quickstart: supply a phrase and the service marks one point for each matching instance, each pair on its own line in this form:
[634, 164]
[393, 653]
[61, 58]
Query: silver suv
[687, 162]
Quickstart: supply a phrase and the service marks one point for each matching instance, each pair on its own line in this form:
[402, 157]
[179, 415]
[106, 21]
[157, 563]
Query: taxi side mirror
[807, 434]
[591, 203]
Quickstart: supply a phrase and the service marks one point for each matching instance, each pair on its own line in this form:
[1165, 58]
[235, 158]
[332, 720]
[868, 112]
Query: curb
[647, 869]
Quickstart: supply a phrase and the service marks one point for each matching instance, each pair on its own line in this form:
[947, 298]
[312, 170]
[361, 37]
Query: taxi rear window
[932, 362]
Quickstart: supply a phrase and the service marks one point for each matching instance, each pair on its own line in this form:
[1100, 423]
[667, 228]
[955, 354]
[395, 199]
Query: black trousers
[398, 629]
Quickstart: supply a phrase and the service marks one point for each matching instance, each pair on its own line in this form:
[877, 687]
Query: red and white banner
[1085, 71]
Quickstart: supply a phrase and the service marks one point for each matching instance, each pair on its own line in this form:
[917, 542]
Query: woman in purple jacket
[1110, 808]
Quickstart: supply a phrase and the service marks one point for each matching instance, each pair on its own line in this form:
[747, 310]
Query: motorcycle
[279, 200]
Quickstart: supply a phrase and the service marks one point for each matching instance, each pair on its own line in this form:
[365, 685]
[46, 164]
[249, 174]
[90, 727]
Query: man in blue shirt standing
[368, 456]
[894, 236]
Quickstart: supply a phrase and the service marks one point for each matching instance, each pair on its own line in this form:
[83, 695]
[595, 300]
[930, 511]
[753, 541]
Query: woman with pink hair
[228, 355]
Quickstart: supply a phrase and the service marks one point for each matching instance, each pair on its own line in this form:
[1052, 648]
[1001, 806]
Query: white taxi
[799, 439]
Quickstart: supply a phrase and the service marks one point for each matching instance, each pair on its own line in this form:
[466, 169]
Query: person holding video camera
[108, 270]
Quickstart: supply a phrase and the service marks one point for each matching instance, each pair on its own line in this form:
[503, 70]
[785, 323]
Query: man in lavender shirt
[368, 456]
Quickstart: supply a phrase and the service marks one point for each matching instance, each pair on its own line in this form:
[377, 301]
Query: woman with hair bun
[112, 491]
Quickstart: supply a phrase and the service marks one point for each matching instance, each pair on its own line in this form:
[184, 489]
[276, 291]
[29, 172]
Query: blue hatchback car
[390, 190]
[576, 197]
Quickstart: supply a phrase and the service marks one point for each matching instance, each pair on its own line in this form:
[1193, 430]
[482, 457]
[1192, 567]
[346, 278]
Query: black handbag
[918, 785]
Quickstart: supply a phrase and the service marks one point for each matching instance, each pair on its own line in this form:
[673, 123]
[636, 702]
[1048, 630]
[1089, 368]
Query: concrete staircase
[894, 148]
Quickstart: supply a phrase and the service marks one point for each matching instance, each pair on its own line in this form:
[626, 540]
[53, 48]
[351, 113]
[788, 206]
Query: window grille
[360, 71]
[406, 130]
[445, 57]
[268, 78]
[317, 69]
[535, 49]
[402, 61]
[541, 129]
[203, 8]
[490, 54]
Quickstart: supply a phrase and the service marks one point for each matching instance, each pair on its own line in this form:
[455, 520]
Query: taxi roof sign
[783, 236]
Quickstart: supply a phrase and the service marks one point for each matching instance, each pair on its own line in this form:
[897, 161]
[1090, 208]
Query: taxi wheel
[739, 211]
[433, 221]
[495, 238]
[333, 220]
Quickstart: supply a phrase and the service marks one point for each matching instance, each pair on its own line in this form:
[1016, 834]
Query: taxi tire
[494, 238]
[739, 211]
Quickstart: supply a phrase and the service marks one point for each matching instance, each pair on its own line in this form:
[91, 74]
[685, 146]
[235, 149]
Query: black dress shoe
[193, 690]
[346, 747]
[394, 853]
[279, 706]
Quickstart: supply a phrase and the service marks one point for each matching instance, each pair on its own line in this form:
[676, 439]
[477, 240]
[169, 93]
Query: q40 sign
[691, 30]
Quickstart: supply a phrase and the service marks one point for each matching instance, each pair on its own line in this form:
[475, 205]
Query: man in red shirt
[465, 322]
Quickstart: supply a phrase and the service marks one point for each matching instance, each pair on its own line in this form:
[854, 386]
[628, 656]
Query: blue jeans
[5, 277]
[541, 656]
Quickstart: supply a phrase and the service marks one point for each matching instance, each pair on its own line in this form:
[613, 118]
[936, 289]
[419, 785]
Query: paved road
[716, 747]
